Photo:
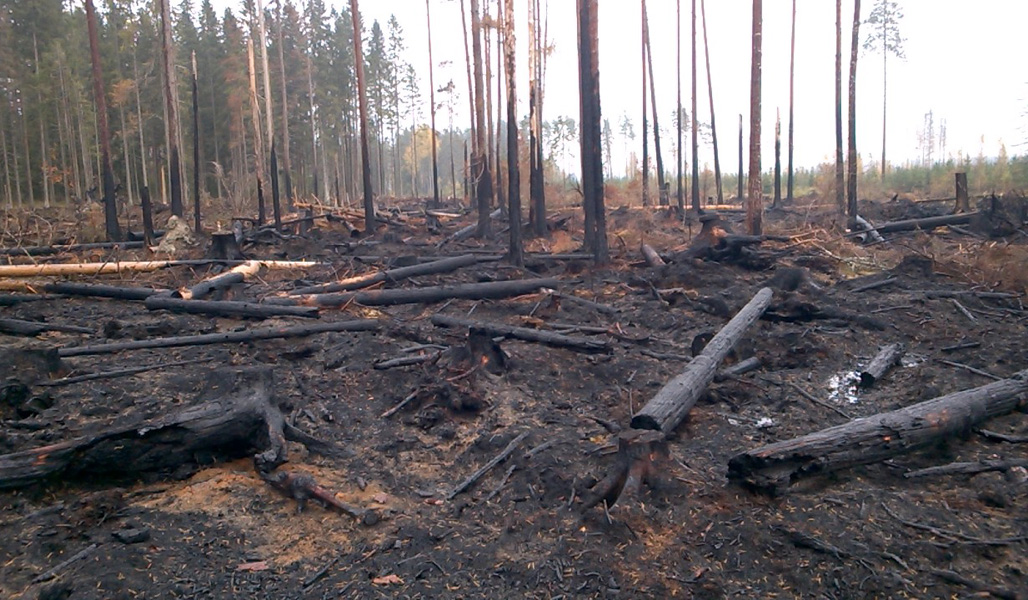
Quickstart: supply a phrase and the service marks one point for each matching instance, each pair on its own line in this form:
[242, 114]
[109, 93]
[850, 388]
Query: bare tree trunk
[258, 143]
[197, 166]
[3, 151]
[480, 164]
[70, 129]
[369, 203]
[487, 63]
[662, 195]
[739, 192]
[125, 153]
[501, 194]
[851, 184]
[590, 124]
[754, 204]
[431, 97]
[885, 87]
[713, 123]
[695, 122]
[535, 168]
[778, 161]
[513, 169]
[840, 180]
[269, 116]
[471, 87]
[110, 209]
[792, 77]
[645, 124]
[172, 127]
[680, 193]
[139, 118]
[286, 159]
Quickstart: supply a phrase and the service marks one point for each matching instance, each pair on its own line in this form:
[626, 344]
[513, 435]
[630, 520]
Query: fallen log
[927, 223]
[444, 265]
[94, 290]
[490, 290]
[672, 403]
[650, 255]
[59, 248]
[236, 274]
[968, 468]
[106, 268]
[227, 337]
[16, 299]
[772, 468]
[226, 308]
[34, 328]
[234, 417]
[598, 307]
[524, 333]
[465, 232]
[114, 374]
[880, 365]
[474, 477]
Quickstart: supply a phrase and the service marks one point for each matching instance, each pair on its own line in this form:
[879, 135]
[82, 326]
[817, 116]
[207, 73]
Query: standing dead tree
[369, 202]
[713, 122]
[171, 128]
[754, 204]
[480, 163]
[662, 197]
[851, 183]
[513, 169]
[110, 209]
[590, 119]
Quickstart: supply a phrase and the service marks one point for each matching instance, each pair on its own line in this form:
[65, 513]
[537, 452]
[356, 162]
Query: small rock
[132, 536]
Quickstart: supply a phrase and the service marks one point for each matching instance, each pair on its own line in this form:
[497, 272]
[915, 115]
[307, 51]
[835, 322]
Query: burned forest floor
[404, 438]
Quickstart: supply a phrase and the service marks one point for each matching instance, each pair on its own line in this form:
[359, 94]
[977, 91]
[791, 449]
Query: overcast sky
[964, 62]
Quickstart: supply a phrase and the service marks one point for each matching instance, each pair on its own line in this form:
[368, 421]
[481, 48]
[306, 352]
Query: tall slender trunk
[645, 124]
[481, 165]
[680, 192]
[87, 164]
[501, 193]
[258, 143]
[287, 161]
[695, 122]
[885, 87]
[172, 127]
[792, 77]
[590, 125]
[44, 165]
[358, 57]
[269, 116]
[17, 175]
[197, 165]
[514, 178]
[3, 150]
[431, 98]
[537, 202]
[28, 155]
[851, 184]
[110, 209]
[125, 155]
[713, 122]
[662, 194]
[139, 119]
[776, 203]
[471, 87]
[315, 138]
[487, 65]
[742, 175]
[840, 179]
[69, 129]
[754, 204]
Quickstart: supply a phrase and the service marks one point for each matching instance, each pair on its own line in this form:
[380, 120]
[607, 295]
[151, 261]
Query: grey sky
[964, 63]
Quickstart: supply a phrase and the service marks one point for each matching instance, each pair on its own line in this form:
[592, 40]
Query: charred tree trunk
[110, 208]
[513, 169]
[792, 77]
[537, 201]
[851, 184]
[235, 416]
[755, 204]
[774, 467]
[645, 119]
[480, 164]
[196, 150]
[287, 162]
[369, 203]
[258, 143]
[662, 196]
[171, 107]
[695, 123]
[590, 125]
[739, 192]
[713, 123]
[840, 178]
[669, 407]
[778, 162]
[680, 192]
[431, 98]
